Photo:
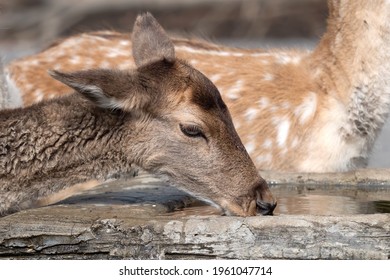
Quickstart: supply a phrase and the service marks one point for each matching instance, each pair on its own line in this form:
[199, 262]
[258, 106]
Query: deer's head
[183, 129]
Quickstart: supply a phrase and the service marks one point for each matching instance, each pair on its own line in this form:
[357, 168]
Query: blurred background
[26, 26]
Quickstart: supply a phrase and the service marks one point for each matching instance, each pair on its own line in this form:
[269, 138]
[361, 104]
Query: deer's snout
[265, 202]
[258, 200]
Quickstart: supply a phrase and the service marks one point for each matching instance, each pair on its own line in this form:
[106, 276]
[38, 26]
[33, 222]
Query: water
[313, 200]
[321, 205]
[332, 200]
[145, 192]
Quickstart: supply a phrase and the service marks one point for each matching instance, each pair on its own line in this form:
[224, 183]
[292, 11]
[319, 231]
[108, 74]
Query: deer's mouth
[265, 202]
[265, 208]
[248, 207]
[258, 201]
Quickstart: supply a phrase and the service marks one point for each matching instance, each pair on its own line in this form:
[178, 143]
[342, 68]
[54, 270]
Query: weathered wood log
[110, 222]
[117, 232]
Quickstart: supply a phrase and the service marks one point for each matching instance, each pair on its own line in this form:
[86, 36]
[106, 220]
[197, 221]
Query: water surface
[146, 192]
[332, 200]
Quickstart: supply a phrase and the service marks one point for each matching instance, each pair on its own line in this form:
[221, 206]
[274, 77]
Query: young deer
[294, 110]
[164, 116]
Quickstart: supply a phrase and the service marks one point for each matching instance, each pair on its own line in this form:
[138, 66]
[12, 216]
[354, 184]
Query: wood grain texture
[120, 232]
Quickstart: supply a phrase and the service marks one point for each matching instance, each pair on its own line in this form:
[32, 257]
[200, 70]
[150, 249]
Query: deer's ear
[150, 42]
[106, 88]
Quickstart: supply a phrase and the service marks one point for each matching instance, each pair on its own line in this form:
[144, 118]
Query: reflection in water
[382, 206]
[331, 200]
[318, 205]
[327, 201]
[292, 200]
[201, 209]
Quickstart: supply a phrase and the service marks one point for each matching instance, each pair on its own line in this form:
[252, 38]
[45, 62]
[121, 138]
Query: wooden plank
[125, 232]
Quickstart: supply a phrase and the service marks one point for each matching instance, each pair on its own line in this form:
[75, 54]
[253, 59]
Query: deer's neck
[352, 63]
[53, 145]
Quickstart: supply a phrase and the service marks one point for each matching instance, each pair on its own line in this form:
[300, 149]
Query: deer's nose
[265, 202]
[265, 208]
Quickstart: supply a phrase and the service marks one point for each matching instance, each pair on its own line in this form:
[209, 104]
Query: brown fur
[164, 116]
[318, 111]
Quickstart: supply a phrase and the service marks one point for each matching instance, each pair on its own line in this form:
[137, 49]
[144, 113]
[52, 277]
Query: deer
[163, 116]
[314, 110]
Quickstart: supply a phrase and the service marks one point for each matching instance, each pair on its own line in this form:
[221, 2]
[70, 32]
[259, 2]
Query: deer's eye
[192, 130]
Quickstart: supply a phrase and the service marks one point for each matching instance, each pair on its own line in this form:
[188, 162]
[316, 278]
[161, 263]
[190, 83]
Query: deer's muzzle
[265, 202]
[265, 208]
[258, 200]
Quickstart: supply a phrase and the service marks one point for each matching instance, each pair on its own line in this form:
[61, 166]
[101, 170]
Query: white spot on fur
[307, 108]
[233, 92]
[124, 43]
[284, 58]
[282, 131]
[57, 66]
[113, 52]
[263, 102]
[250, 147]
[35, 62]
[70, 43]
[250, 144]
[236, 123]
[296, 60]
[88, 63]
[28, 87]
[267, 144]
[251, 114]
[38, 95]
[75, 60]
[264, 159]
[113, 55]
[215, 78]
[268, 77]
[260, 54]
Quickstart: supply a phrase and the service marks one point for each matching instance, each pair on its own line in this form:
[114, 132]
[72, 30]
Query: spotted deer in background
[164, 116]
[317, 110]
